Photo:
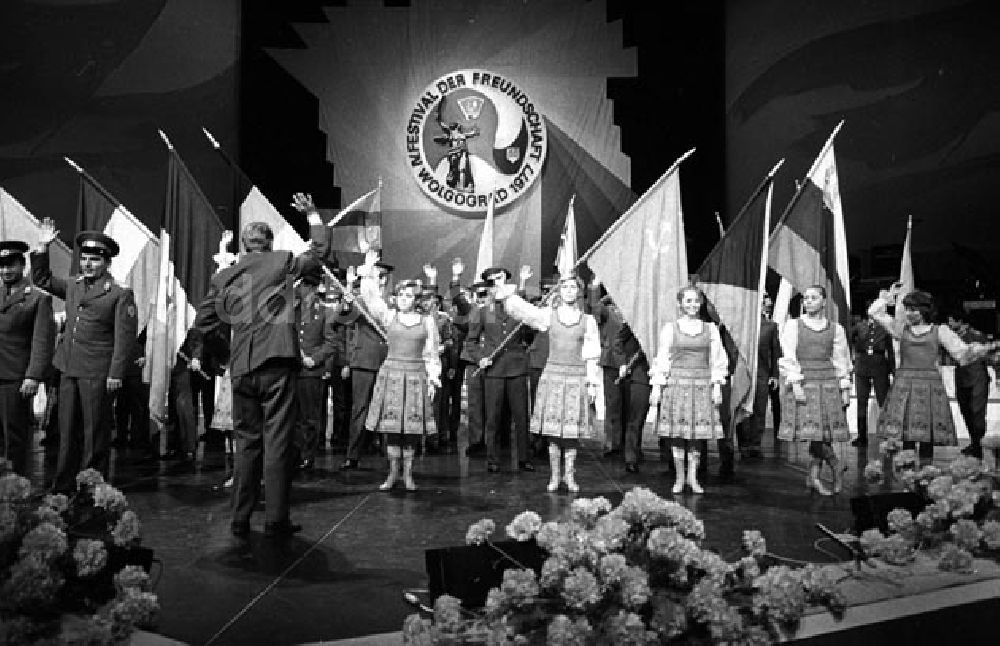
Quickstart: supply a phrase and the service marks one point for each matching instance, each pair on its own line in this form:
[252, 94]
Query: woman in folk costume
[401, 406]
[568, 382]
[916, 408]
[690, 367]
[816, 371]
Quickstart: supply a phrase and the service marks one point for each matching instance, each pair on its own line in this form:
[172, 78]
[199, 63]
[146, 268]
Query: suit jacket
[626, 345]
[101, 323]
[609, 322]
[366, 348]
[973, 374]
[317, 337]
[768, 351]
[255, 297]
[27, 332]
[873, 351]
[488, 327]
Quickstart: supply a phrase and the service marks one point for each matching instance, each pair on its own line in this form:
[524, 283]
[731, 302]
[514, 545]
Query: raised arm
[877, 312]
[539, 318]
[41, 272]
[962, 352]
[319, 236]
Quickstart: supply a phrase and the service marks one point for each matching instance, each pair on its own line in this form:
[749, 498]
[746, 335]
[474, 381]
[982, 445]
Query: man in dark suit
[255, 297]
[750, 431]
[338, 371]
[464, 301]
[874, 362]
[972, 384]
[616, 392]
[27, 331]
[317, 338]
[505, 370]
[366, 350]
[93, 353]
[634, 374]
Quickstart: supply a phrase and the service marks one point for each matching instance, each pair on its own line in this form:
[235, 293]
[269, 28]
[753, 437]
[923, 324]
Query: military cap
[97, 242]
[493, 271]
[481, 288]
[12, 251]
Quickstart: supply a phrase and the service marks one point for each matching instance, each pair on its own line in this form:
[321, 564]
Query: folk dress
[562, 405]
[689, 364]
[400, 403]
[819, 359]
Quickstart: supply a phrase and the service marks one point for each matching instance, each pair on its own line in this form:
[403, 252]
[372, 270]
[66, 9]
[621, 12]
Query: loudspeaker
[870, 511]
[469, 571]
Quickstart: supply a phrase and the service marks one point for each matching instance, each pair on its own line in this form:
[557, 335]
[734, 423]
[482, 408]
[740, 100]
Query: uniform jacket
[869, 335]
[768, 351]
[101, 323]
[256, 298]
[451, 343]
[315, 322]
[626, 345]
[27, 332]
[366, 349]
[488, 327]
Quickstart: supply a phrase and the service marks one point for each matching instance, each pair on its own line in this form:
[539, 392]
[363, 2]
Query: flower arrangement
[633, 574]
[959, 521]
[59, 554]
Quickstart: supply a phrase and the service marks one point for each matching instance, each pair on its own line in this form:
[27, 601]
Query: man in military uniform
[27, 331]
[504, 363]
[874, 362]
[366, 350]
[255, 298]
[750, 431]
[465, 302]
[972, 384]
[616, 393]
[317, 338]
[338, 372]
[93, 353]
[634, 374]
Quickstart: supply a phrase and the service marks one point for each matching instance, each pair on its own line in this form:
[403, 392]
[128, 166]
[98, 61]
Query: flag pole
[621, 220]
[801, 185]
[760, 187]
[87, 176]
[166, 140]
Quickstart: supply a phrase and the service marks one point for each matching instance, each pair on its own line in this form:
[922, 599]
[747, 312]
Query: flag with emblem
[358, 227]
[484, 259]
[732, 278]
[188, 240]
[138, 261]
[18, 223]
[642, 259]
[809, 245]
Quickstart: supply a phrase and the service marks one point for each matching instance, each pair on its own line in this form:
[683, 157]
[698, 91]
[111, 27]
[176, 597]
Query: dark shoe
[973, 451]
[610, 453]
[284, 528]
[631, 467]
[349, 465]
[859, 441]
[240, 529]
[493, 468]
[526, 466]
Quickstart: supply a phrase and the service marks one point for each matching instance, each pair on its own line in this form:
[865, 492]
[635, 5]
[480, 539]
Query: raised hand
[303, 202]
[371, 257]
[525, 273]
[431, 272]
[227, 237]
[351, 276]
[47, 232]
[457, 267]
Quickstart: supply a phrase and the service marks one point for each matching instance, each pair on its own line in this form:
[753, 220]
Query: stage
[343, 576]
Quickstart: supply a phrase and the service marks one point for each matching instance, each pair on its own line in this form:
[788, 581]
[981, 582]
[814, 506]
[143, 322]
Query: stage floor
[344, 574]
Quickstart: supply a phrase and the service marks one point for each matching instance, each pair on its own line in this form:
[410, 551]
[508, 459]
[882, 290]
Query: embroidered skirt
[562, 408]
[686, 408]
[917, 409]
[821, 418]
[399, 399]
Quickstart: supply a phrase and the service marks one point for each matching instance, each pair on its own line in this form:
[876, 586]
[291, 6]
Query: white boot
[692, 474]
[571, 471]
[394, 456]
[555, 461]
[678, 454]
[408, 469]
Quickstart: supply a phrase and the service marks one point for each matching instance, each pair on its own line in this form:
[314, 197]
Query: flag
[138, 261]
[642, 259]
[254, 207]
[732, 278]
[906, 282]
[809, 245]
[358, 227]
[485, 258]
[566, 255]
[189, 237]
[18, 223]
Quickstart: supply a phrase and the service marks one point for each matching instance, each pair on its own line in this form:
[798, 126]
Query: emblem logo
[473, 133]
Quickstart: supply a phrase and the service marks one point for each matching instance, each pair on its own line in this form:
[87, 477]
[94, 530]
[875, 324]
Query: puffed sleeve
[717, 356]
[591, 349]
[842, 357]
[659, 370]
[877, 311]
[372, 299]
[788, 364]
[432, 359]
[962, 352]
[539, 318]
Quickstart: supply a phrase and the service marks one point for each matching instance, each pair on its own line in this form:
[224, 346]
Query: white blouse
[788, 364]
[659, 369]
[371, 296]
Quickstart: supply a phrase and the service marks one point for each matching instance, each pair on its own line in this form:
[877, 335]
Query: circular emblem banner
[471, 134]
